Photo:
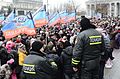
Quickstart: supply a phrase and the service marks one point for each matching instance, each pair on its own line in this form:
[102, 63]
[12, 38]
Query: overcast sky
[57, 2]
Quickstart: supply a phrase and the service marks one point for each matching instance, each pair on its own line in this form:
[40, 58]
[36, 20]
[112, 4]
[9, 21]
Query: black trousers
[68, 76]
[101, 70]
[90, 69]
[85, 74]
[72, 76]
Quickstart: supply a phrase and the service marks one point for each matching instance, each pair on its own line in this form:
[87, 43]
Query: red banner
[24, 30]
[41, 22]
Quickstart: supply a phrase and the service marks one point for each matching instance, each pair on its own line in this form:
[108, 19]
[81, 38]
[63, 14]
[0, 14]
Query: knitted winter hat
[37, 45]
[85, 24]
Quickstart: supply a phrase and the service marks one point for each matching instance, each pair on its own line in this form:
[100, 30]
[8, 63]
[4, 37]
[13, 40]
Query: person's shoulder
[81, 34]
[35, 57]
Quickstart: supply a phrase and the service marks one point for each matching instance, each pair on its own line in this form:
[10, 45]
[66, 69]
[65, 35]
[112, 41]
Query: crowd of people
[76, 50]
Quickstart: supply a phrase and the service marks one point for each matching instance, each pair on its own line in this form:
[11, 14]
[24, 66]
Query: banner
[40, 18]
[21, 25]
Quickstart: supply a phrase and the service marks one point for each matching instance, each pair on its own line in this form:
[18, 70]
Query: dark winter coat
[66, 58]
[3, 55]
[50, 54]
[13, 55]
[88, 49]
[36, 66]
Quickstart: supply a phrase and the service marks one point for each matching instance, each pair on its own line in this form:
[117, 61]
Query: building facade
[21, 6]
[4, 6]
[103, 7]
[24, 6]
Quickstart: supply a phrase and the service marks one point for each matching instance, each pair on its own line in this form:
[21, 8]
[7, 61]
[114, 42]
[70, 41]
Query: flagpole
[47, 15]
[59, 16]
[31, 17]
[46, 31]
[74, 9]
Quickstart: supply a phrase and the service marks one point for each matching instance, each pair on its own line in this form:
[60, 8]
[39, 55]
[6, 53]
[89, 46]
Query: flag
[58, 17]
[55, 19]
[63, 16]
[71, 16]
[21, 25]
[51, 15]
[40, 18]
[9, 18]
[2, 17]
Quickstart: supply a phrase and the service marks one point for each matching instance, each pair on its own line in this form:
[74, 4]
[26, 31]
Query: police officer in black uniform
[36, 65]
[87, 51]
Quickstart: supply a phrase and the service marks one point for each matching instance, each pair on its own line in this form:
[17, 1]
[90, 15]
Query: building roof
[102, 1]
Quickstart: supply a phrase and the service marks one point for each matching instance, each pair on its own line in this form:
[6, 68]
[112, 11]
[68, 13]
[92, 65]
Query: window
[21, 12]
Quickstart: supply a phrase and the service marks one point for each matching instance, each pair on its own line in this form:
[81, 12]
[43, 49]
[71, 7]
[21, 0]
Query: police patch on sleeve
[29, 69]
[95, 40]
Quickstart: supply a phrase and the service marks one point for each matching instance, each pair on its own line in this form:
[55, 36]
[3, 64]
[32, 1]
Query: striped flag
[9, 18]
[21, 25]
[40, 18]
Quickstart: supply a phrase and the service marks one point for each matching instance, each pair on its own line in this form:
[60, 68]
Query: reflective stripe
[76, 61]
[95, 36]
[94, 40]
[28, 65]
[29, 69]
[95, 43]
[53, 63]
[30, 72]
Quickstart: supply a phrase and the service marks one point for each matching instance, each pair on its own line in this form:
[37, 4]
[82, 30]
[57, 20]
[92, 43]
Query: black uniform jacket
[36, 66]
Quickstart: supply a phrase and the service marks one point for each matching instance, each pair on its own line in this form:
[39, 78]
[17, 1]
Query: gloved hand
[11, 61]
